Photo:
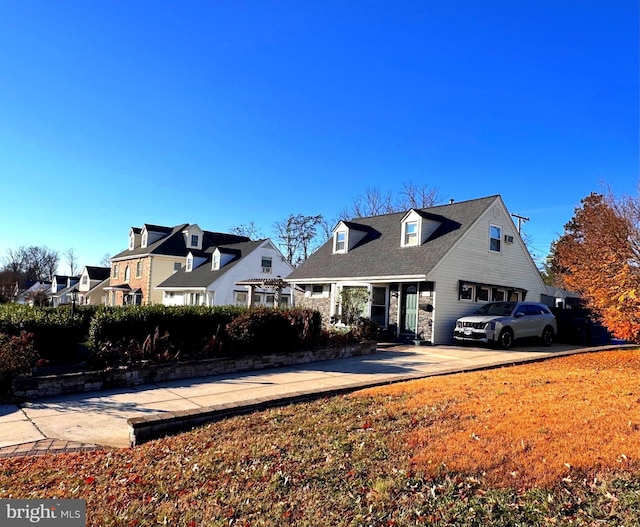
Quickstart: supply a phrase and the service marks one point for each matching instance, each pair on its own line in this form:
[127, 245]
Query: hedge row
[131, 334]
[55, 332]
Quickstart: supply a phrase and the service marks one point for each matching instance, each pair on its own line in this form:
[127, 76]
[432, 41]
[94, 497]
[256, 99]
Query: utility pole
[521, 220]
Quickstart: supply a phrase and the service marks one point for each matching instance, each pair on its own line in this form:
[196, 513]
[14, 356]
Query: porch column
[252, 289]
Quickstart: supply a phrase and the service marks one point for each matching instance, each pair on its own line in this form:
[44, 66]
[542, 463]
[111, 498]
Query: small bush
[365, 329]
[362, 330]
[17, 355]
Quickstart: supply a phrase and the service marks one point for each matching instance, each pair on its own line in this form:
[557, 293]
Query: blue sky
[114, 114]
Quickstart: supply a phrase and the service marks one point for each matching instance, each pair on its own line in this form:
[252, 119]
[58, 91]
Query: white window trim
[472, 297]
[499, 238]
[268, 269]
[344, 242]
[405, 234]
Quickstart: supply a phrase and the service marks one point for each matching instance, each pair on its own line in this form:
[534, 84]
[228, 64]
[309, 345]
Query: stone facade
[322, 305]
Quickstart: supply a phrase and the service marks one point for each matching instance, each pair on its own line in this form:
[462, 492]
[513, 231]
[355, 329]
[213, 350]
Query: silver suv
[501, 323]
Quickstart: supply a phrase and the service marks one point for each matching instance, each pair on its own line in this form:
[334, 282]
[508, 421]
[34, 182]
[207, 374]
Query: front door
[409, 309]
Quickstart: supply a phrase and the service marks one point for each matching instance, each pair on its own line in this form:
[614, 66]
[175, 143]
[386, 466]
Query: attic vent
[508, 238]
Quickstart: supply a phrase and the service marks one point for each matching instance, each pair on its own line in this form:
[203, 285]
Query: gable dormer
[151, 234]
[346, 236]
[193, 237]
[193, 262]
[416, 228]
[135, 237]
[221, 257]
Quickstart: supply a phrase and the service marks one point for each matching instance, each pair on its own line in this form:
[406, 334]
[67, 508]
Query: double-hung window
[411, 233]
[266, 264]
[340, 242]
[495, 238]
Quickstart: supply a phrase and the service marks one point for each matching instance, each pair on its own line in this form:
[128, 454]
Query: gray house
[421, 269]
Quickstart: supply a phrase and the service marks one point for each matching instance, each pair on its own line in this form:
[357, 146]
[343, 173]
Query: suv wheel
[547, 336]
[505, 340]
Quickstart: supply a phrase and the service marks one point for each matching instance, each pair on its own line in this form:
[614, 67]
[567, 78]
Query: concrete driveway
[89, 420]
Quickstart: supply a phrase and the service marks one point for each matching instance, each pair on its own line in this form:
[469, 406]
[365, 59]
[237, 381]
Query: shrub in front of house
[124, 335]
[361, 330]
[55, 331]
[267, 330]
[17, 355]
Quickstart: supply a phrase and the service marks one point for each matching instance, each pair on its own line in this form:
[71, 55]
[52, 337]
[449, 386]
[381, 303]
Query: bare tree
[297, 235]
[106, 260]
[72, 261]
[413, 196]
[250, 230]
[33, 263]
[375, 202]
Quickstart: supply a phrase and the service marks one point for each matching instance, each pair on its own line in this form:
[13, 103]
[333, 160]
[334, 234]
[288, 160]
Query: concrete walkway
[100, 419]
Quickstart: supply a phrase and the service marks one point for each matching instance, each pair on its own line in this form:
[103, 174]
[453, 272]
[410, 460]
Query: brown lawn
[527, 425]
[555, 441]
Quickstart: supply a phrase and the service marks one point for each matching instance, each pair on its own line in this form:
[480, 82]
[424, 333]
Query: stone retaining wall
[45, 386]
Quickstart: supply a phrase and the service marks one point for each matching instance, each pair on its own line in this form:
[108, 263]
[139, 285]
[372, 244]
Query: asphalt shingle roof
[203, 275]
[380, 253]
[173, 243]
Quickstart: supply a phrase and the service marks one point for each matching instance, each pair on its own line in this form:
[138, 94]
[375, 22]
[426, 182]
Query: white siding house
[214, 280]
[421, 269]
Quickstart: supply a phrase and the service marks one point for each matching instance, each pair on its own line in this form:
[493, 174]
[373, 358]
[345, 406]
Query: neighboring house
[561, 298]
[26, 296]
[61, 287]
[154, 254]
[422, 269]
[245, 273]
[91, 286]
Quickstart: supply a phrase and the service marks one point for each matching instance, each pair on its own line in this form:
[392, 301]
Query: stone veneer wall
[35, 387]
[322, 305]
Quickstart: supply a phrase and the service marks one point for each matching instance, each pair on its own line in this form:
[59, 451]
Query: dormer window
[189, 263]
[194, 240]
[131, 241]
[216, 261]
[410, 233]
[340, 242]
[145, 238]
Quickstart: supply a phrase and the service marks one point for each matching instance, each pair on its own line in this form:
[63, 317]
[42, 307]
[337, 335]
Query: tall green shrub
[158, 332]
[56, 332]
[266, 330]
[17, 355]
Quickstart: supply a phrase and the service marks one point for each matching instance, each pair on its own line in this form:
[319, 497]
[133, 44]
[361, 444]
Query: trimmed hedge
[158, 332]
[55, 332]
[265, 330]
[17, 355]
[133, 334]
